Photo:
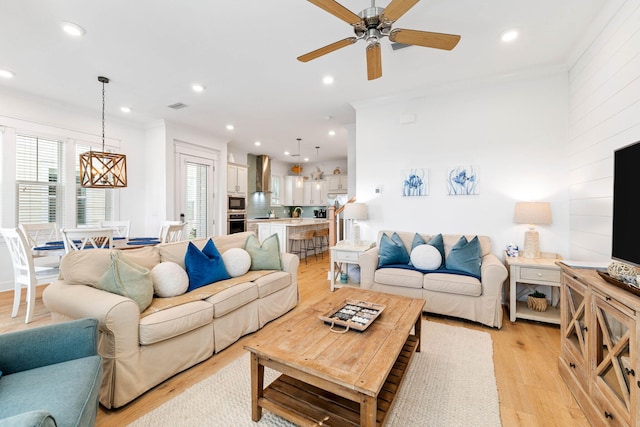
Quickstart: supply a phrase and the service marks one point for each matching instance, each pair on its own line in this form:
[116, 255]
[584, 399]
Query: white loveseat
[479, 300]
[141, 350]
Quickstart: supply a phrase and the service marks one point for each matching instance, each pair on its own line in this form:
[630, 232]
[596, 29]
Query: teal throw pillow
[128, 279]
[204, 266]
[465, 256]
[392, 250]
[265, 256]
[438, 243]
[417, 241]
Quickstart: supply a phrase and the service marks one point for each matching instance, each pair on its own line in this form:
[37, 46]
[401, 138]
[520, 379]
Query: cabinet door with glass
[574, 323]
[614, 346]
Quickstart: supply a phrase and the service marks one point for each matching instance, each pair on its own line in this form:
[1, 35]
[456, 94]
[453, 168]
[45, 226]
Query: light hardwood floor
[525, 355]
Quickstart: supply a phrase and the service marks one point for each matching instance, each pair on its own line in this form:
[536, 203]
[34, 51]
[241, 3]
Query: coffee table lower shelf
[307, 405]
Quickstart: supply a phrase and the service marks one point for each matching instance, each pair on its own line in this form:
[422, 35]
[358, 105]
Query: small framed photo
[415, 182]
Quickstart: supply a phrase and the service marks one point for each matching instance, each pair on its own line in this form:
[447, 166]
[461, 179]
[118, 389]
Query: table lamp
[355, 212]
[532, 213]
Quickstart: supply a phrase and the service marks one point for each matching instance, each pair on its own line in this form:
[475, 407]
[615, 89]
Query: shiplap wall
[604, 114]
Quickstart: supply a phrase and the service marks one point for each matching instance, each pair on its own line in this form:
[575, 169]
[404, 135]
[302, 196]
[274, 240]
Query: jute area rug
[451, 382]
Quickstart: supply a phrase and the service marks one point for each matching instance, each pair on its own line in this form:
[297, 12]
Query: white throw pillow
[169, 279]
[237, 261]
[426, 257]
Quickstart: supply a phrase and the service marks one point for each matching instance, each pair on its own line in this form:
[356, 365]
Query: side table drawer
[346, 256]
[540, 274]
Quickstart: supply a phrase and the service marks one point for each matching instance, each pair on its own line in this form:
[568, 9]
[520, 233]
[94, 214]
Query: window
[92, 204]
[196, 193]
[276, 184]
[39, 167]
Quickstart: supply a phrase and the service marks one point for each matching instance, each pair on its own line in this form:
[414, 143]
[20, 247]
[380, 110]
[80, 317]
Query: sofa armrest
[368, 261]
[47, 345]
[118, 316]
[39, 418]
[493, 273]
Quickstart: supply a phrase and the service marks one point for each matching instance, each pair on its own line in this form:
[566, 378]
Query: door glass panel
[196, 198]
[612, 353]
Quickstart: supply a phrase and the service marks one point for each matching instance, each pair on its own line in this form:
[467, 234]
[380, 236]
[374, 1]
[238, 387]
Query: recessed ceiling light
[125, 109]
[332, 133]
[257, 143]
[306, 159]
[286, 153]
[6, 74]
[327, 80]
[73, 29]
[197, 87]
[230, 127]
[509, 35]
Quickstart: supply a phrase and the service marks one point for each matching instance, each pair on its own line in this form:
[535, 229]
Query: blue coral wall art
[463, 181]
[415, 182]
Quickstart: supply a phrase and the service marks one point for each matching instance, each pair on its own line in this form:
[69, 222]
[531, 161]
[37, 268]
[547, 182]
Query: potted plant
[537, 301]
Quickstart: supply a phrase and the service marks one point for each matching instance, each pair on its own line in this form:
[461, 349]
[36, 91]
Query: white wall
[513, 131]
[604, 114]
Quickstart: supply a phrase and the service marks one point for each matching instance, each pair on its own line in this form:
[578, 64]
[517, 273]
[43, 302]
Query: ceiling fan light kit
[374, 23]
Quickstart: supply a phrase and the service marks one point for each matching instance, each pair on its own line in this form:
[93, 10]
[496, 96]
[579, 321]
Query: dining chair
[172, 231]
[25, 273]
[39, 233]
[86, 238]
[120, 228]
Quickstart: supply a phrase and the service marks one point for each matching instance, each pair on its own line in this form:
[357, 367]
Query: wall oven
[237, 204]
[236, 222]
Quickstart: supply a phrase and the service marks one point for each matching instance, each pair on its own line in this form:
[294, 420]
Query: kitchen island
[287, 226]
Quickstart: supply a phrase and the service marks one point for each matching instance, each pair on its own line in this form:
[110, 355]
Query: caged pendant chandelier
[99, 169]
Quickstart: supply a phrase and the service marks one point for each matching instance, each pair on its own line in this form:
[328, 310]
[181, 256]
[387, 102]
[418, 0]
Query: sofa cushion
[426, 257]
[392, 250]
[169, 279]
[229, 299]
[272, 283]
[399, 277]
[452, 284]
[465, 256]
[204, 266]
[174, 321]
[265, 256]
[128, 279]
[237, 261]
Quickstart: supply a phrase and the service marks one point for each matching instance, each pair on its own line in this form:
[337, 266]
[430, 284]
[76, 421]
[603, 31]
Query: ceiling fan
[374, 23]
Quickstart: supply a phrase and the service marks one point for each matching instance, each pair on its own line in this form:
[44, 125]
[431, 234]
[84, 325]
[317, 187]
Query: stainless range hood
[263, 174]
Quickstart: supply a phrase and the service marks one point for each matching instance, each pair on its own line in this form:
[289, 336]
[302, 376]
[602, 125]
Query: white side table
[343, 253]
[527, 273]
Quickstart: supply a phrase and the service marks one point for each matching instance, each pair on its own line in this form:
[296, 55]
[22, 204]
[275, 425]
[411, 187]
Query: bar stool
[322, 240]
[306, 244]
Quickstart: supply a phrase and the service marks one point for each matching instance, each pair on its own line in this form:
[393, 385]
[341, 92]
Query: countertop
[292, 222]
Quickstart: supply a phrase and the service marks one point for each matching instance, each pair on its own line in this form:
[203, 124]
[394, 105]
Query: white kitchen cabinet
[237, 179]
[292, 194]
[266, 229]
[315, 193]
[337, 183]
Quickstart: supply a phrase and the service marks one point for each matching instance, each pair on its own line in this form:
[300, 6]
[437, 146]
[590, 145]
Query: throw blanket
[440, 270]
[204, 292]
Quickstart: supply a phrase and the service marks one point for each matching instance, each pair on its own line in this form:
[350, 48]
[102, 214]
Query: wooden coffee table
[330, 378]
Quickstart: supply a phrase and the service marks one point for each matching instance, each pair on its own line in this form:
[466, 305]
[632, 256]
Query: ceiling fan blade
[424, 38]
[337, 10]
[396, 9]
[327, 49]
[374, 61]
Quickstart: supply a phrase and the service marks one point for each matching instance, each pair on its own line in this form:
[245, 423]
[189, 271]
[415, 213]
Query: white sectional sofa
[479, 300]
[141, 350]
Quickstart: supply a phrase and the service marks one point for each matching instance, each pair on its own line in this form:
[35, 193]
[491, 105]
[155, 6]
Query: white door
[195, 195]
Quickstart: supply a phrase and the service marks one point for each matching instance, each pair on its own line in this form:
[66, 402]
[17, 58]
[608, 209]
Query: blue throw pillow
[204, 267]
[392, 250]
[438, 242]
[417, 241]
[465, 256]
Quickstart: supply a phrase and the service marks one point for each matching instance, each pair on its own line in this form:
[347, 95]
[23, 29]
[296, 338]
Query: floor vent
[178, 106]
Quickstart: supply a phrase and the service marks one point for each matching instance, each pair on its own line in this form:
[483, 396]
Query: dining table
[56, 247]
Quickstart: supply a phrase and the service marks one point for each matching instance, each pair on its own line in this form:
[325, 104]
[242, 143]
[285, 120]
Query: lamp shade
[532, 213]
[355, 211]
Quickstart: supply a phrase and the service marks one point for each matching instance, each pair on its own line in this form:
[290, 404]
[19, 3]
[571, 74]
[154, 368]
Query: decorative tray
[619, 283]
[353, 314]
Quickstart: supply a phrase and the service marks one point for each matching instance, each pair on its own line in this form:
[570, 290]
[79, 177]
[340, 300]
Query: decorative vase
[336, 171]
[536, 304]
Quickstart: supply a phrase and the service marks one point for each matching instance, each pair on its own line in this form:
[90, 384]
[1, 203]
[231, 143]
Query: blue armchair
[51, 375]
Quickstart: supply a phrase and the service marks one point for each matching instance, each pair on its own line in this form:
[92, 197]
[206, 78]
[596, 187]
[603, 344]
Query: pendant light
[318, 166]
[299, 181]
[99, 169]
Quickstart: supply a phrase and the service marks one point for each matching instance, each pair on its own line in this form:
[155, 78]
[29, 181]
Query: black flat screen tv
[625, 242]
